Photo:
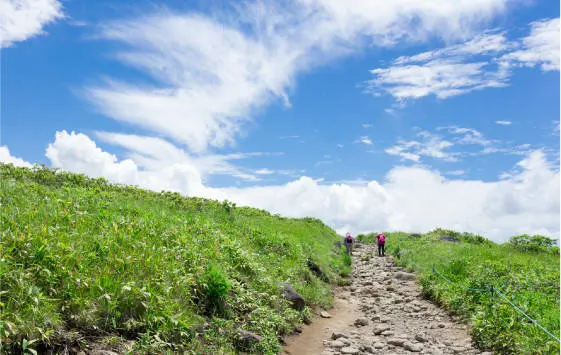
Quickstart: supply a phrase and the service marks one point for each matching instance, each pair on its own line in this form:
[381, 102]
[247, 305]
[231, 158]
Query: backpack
[348, 239]
[382, 239]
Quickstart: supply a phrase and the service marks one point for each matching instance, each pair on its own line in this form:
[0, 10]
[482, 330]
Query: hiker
[349, 241]
[381, 241]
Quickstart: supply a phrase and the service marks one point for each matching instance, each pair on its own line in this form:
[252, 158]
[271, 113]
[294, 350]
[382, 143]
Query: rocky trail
[382, 312]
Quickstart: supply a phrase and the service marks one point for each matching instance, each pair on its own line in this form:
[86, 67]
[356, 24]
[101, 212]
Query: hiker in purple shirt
[381, 240]
[348, 242]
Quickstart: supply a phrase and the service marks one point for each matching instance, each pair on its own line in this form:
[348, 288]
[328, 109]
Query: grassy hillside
[526, 273]
[82, 260]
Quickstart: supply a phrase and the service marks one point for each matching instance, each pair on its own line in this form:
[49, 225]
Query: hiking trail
[382, 311]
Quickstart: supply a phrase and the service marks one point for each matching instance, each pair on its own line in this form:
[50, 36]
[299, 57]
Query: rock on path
[395, 317]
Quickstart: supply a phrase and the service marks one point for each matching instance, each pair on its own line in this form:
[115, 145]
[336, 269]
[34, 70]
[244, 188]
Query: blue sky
[246, 99]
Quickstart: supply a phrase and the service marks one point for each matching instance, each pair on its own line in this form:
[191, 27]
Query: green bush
[214, 287]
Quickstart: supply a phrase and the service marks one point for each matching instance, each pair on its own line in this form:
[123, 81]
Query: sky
[371, 115]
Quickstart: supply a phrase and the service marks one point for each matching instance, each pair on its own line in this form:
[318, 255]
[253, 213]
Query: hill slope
[83, 260]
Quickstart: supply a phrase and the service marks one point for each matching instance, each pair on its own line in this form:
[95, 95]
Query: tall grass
[529, 279]
[80, 255]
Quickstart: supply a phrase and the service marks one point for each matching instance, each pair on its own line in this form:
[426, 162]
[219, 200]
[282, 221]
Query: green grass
[172, 274]
[529, 279]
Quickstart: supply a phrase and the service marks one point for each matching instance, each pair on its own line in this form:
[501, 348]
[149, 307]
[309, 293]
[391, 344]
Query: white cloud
[264, 171]
[439, 147]
[210, 83]
[23, 19]
[503, 123]
[485, 61]
[486, 43]
[366, 125]
[78, 153]
[468, 136]
[540, 47]
[442, 78]
[429, 145]
[364, 140]
[6, 157]
[417, 200]
[153, 153]
[340, 146]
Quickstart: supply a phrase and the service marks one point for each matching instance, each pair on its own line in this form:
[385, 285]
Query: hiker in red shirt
[381, 239]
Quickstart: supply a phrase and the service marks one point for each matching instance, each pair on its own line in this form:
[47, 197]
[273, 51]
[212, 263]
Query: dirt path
[382, 312]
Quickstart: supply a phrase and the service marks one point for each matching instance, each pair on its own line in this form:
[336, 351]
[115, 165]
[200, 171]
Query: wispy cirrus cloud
[485, 61]
[207, 86]
[503, 123]
[364, 140]
[428, 145]
[156, 153]
[446, 145]
[539, 48]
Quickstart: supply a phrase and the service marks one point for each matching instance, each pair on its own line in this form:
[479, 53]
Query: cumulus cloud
[485, 61]
[78, 153]
[409, 198]
[209, 84]
[6, 157]
[23, 19]
[418, 199]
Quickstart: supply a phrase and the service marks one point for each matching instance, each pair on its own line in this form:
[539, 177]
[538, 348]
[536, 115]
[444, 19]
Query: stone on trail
[378, 345]
[337, 344]
[441, 325]
[324, 314]
[367, 348]
[345, 341]
[350, 350]
[415, 348]
[388, 333]
[396, 341]
[380, 329]
[336, 336]
[421, 337]
[361, 322]
[400, 275]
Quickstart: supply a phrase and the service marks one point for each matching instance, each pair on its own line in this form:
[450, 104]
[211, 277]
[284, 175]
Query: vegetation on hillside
[460, 274]
[82, 259]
